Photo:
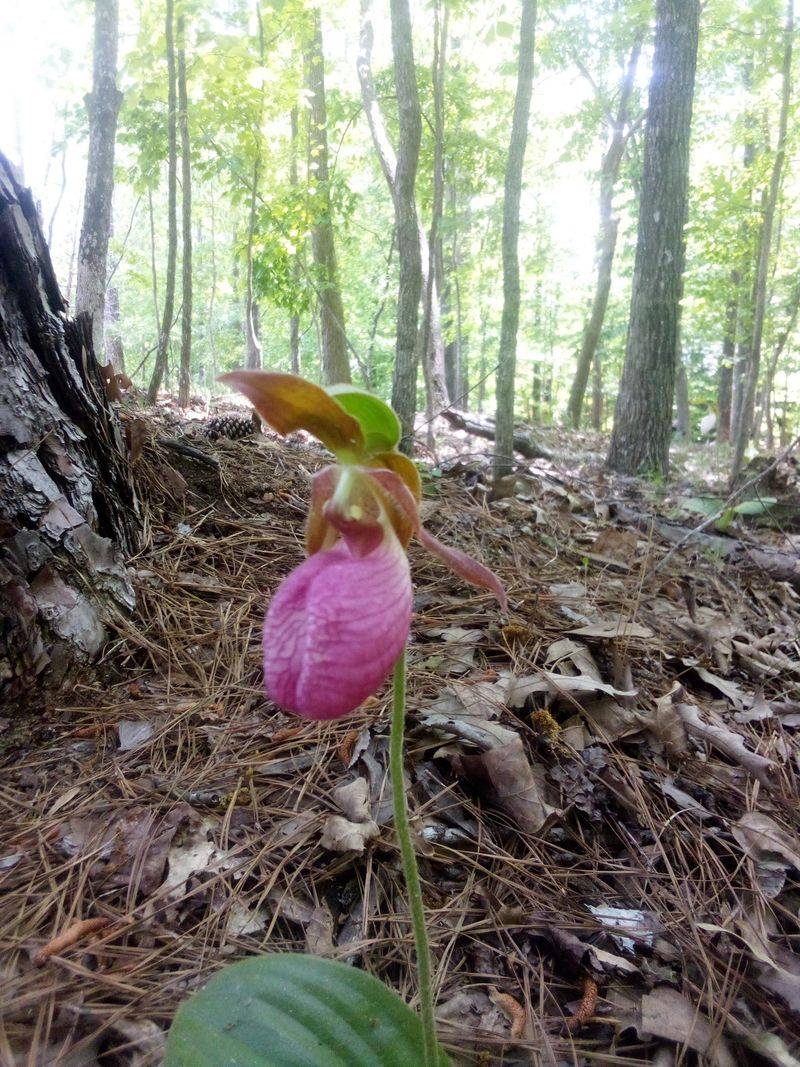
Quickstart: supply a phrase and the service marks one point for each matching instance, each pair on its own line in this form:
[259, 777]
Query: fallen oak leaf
[342, 835]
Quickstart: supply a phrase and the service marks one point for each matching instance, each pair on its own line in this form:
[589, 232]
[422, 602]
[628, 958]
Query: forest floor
[605, 785]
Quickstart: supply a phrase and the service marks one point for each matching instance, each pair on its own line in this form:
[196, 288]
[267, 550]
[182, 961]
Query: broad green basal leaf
[292, 1010]
[379, 424]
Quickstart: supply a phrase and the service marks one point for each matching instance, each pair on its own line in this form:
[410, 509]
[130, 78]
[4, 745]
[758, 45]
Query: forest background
[255, 149]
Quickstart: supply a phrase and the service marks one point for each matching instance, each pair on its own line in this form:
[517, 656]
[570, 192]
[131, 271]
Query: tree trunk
[597, 390]
[404, 381]
[643, 415]
[335, 363]
[184, 385]
[172, 212]
[433, 354]
[114, 348]
[212, 299]
[507, 363]
[294, 320]
[683, 417]
[68, 507]
[606, 239]
[103, 106]
[780, 344]
[745, 424]
[725, 374]
[436, 385]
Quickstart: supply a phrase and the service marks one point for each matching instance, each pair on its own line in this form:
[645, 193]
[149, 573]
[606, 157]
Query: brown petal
[397, 493]
[290, 403]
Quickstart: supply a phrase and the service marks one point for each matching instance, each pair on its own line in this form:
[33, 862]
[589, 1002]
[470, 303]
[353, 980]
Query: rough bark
[434, 352]
[404, 380]
[606, 238]
[184, 384]
[744, 426]
[335, 362]
[507, 363]
[780, 344]
[172, 210]
[103, 106]
[68, 509]
[643, 415]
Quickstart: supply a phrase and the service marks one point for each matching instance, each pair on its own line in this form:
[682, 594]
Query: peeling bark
[68, 509]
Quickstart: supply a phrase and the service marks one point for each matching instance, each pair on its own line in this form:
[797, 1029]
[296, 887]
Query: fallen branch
[732, 498]
[523, 443]
[781, 566]
[188, 450]
[69, 937]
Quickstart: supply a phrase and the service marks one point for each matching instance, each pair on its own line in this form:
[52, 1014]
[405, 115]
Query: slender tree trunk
[63, 186]
[683, 417]
[725, 373]
[184, 385]
[252, 314]
[335, 362]
[369, 362]
[744, 427]
[294, 320]
[507, 364]
[212, 298]
[404, 382]
[114, 347]
[153, 267]
[643, 415]
[606, 240]
[433, 354]
[461, 368]
[597, 389]
[435, 375]
[172, 210]
[103, 106]
[780, 345]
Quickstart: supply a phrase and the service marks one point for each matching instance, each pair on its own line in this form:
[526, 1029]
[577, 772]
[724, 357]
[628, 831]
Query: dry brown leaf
[341, 835]
[511, 783]
[353, 800]
[668, 1014]
[730, 744]
[319, 932]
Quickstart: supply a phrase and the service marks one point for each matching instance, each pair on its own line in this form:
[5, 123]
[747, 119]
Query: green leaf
[379, 424]
[756, 507]
[293, 1010]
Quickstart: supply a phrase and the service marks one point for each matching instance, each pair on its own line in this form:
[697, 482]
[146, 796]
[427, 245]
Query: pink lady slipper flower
[339, 622]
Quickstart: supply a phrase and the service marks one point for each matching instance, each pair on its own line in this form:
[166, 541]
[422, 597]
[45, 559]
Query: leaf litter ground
[604, 785]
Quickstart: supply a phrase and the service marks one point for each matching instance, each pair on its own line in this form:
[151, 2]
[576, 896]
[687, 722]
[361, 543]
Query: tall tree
[436, 388]
[172, 208]
[434, 351]
[252, 312]
[335, 363]
[294, 320]
[725, 370]
[507, 364]
[184, 382]
[744, 426]
[103, 106]
[621, 129]
[404, 381]
[643, 415]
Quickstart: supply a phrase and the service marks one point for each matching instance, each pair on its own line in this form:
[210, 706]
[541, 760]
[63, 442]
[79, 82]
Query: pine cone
[231, 426]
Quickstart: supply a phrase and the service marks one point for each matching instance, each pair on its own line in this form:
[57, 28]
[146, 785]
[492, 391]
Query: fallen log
[473, 424]
[780, 566]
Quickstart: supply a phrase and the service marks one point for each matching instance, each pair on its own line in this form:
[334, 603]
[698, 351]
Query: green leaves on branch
[292, 1010]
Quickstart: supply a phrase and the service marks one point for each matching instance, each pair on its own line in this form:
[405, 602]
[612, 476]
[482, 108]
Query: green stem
[410, 869]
